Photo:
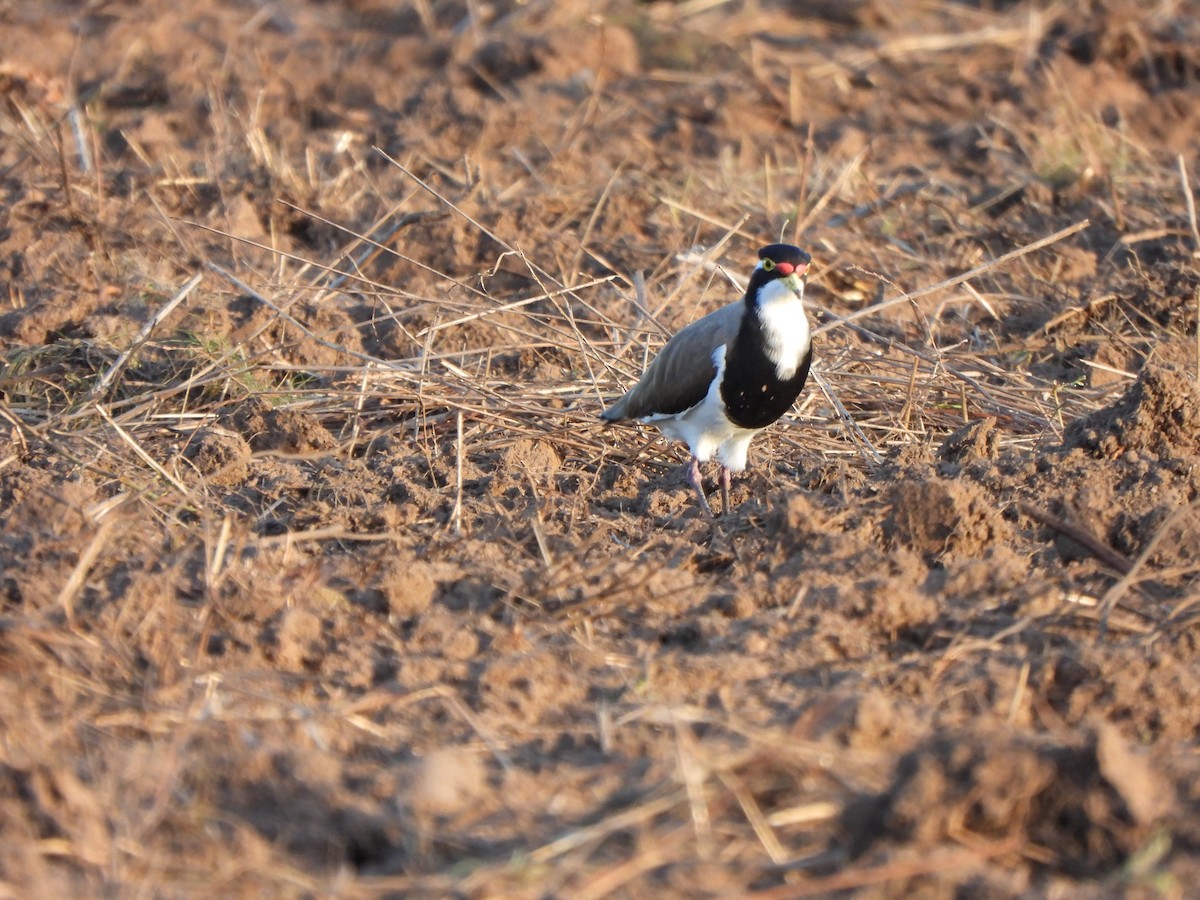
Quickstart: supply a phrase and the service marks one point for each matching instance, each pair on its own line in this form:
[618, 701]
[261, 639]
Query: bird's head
[779, 262]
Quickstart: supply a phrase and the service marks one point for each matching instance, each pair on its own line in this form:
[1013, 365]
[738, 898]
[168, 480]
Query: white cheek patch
[784, 324]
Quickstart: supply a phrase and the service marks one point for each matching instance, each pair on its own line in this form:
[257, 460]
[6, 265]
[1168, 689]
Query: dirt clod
[974, 441]
[300, 640]
[943, 518]
[281, 430]
[957, 785]
[446, 782]
[1159, 414]
[220, 456]
[538, 459]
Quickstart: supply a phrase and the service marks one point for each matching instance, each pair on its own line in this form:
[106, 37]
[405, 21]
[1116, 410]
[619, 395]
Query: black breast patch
[754, 395]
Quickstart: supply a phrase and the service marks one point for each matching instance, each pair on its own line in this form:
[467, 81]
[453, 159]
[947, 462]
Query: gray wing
[679, 376]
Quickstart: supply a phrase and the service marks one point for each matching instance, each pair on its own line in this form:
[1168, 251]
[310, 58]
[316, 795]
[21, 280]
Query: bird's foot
[697, 484]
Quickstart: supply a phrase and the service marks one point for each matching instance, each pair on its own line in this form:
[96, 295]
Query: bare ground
[320, 577]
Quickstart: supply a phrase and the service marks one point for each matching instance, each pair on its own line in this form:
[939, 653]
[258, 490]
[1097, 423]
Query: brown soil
[326, 581]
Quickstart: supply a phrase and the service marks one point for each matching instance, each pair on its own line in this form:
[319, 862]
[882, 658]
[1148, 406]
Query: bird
[724, 378]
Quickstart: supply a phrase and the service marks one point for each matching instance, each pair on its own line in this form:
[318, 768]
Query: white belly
[706, 429]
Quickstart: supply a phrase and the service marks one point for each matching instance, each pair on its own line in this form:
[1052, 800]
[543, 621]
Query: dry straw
[873, 391]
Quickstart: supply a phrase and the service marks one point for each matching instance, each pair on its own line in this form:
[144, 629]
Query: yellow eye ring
[768, 265]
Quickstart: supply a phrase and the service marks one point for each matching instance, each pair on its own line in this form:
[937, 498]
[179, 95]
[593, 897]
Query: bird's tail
[614, 413]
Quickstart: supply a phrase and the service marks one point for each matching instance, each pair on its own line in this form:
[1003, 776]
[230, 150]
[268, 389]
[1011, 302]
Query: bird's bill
[795, 280]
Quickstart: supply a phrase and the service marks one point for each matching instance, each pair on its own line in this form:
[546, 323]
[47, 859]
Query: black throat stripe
[754, 395]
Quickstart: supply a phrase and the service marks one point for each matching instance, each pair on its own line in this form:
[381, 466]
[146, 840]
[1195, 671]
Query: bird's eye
[768, 265]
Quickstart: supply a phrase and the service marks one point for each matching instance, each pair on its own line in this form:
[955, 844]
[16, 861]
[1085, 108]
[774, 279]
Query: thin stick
[581, 836]
[1114, 594]
[143, 335]
[808, 154]
[694, 776]
[958, 279]
[146, 457]
[535, 523]
[1019, 694]
[591, 222]
[660, 851]
[456, 515]
[469, 218]
[896, 871]
[328, 533]
[705, 260]
[296, 323]
[81, 143]
[452, 700]
[753, 813]
[704, 217]
[384, 229]
[516, 304]
[373, 240]
[848, 420]
[1191, 204]
[329, 270]
[1079, 535]
[360, 402]
[822, 201]
[934, 43]
[87, 559]
[218, 556]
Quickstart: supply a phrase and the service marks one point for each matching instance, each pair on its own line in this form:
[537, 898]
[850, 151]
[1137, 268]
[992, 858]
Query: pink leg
[698, 486]
[726, 478]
